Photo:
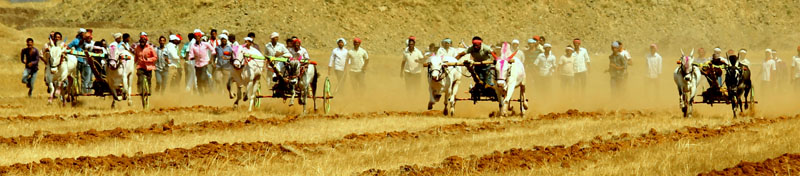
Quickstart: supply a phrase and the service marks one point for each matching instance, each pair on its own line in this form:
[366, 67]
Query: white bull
[247, 72]
[62, 66]
[443, 80]
[120, 73]
[304, 77]
[510, 75]
[686, 77]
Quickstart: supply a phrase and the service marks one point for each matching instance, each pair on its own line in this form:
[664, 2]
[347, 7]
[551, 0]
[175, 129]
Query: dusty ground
[386, 129]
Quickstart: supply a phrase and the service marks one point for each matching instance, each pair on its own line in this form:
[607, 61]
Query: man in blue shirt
[83, 68]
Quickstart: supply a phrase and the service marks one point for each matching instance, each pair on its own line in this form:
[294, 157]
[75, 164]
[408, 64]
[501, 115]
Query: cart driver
[480, 52]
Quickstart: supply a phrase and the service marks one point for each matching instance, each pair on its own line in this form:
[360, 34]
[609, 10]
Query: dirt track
[384, 129]
[786, 164]
[173, 158]
[540, 155]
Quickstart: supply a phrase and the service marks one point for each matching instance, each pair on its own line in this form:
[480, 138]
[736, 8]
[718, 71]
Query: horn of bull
[682, 53]
[692, 53]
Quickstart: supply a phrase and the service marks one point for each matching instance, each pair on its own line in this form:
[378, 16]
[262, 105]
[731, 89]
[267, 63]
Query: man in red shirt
[145, 58]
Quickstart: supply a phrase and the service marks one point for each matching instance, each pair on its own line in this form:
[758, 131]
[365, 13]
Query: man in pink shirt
[145, 58]
[199, 52]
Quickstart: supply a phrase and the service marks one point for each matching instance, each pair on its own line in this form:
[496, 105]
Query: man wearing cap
[796, 68]
[83, 68]
[447, 49]
[617, 67]
[162, 65]
[338, 61]
[743, 61]
[171, 50]
[767, 69]
[566, 65]
[357, 60]
[654, 62]
[582, 62]
[411, 66]
[276, 49]
[519, 55]
[112, 48]
[188, 65]
[145, 57]
[546, 65]
[224, 55]
[480, 52]
[201, 53]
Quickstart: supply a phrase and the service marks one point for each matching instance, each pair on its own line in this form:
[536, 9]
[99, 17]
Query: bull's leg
[451, 97]
[250, 95]
[238, 95]
[126, 84]
[523, 102]
[228, 86]
[432, 99]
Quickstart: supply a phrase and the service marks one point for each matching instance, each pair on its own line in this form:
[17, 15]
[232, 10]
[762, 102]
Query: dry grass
[390, 154]
[688, 157]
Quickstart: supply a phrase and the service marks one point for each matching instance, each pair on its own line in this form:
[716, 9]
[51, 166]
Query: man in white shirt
[625, 53]
[175, 61]
[701, 56]
[519, 55]
[743, 58]
[796, 68]
[566, 65]
[447, 49]
[276, 49]
[546, 63]
[654, 62]
[411, 66]
[766, 71]
[357, 60]
[338, 62]
[582, 61]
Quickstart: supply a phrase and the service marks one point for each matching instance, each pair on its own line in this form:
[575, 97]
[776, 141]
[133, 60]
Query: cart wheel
[326, 95]
[258, 93]
[752, 103]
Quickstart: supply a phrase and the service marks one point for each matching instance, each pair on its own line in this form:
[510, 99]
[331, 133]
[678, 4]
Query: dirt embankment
[384, 24]
[180, 157]
[518, 158]
[786, 164]
[83, 137]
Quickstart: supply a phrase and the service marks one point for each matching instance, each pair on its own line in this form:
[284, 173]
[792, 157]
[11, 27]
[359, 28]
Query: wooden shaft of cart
[486, 62]
[274, 70]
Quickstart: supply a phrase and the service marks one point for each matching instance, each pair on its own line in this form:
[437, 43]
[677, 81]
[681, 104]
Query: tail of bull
[314, 83]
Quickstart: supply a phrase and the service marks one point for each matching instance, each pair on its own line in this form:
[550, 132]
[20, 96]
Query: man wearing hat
[276, 49]
[145, 57]
[447, 48]
[224, 55]
[796, 68]
[200, 52]
[582, 61]
[546, 65]
[358, 61]
[519, 55]
[480, 52]
[84, 70]
[617, 67]
[338, 62]
[171, 50]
